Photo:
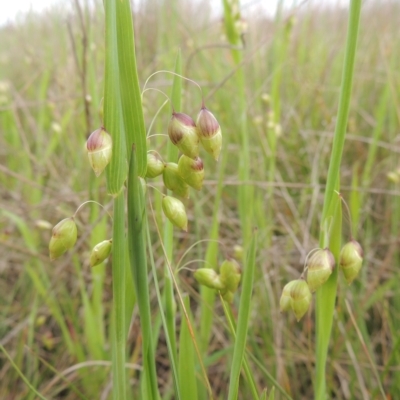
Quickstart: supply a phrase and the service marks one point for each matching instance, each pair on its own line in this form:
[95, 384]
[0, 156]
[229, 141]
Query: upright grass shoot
[232, 20]
[138, 260]
[123, 118]
[331, 216]
[168, 232]
[243, 320]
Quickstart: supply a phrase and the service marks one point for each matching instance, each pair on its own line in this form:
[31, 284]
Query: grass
[276, 96]
[331, 213]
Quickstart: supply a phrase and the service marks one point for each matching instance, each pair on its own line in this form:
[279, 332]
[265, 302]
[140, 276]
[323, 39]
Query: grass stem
[326, 295]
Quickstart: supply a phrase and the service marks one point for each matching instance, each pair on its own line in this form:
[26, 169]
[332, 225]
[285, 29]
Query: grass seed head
[393, 176]
[300, 298]
[100, 252]
[173, 180]
[351, 258]
[155, 166]
[183, 134]
[319, 268]
[209, 132]
[175, 211]
[230, 274]
[63, 237]
[209, 277]
[285, 303]
[238, 252]
[191, 171]
[99, 150]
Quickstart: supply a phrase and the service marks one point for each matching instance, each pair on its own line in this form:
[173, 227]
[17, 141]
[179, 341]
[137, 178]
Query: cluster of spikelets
[188, 172]
[226, 281]
[187, 135]
[65, 233]
[64, 236]
[297, 294]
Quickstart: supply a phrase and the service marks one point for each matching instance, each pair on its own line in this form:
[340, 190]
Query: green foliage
[273, 85]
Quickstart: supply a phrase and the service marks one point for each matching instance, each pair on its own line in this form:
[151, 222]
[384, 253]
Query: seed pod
[238, 252]
[393, 176]
[266, 98]
[208, 277]
[285, 303]
[174, 210]
[173, 181]
[320, 266]
[191, 171]
[63, 237]
[300, 298]
[230, 274]
[182, 132]
[100, 252]
[209, 132]
[99, 149]
[155, 166]
[351, 258]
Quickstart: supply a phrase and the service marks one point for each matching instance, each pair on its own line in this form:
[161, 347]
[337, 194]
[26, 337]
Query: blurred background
[54, 316]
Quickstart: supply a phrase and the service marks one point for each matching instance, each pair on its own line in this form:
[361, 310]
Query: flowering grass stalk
[233, 28]
[331, 215]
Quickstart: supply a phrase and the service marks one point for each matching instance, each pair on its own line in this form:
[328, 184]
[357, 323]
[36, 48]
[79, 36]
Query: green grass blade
[98, 275]
[138, 262]
[168, 338]
[243, 320]
[272, 394]
[23, 377]
[118, 282]
[344, 106]
[113, 116]
[325, 300]
[326, 295]
[123, 119]
[187, 362]
[233, 327]
[135, 131]
[355, 201]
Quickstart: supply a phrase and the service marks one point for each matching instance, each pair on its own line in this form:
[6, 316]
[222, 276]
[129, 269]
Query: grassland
[275, 93]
